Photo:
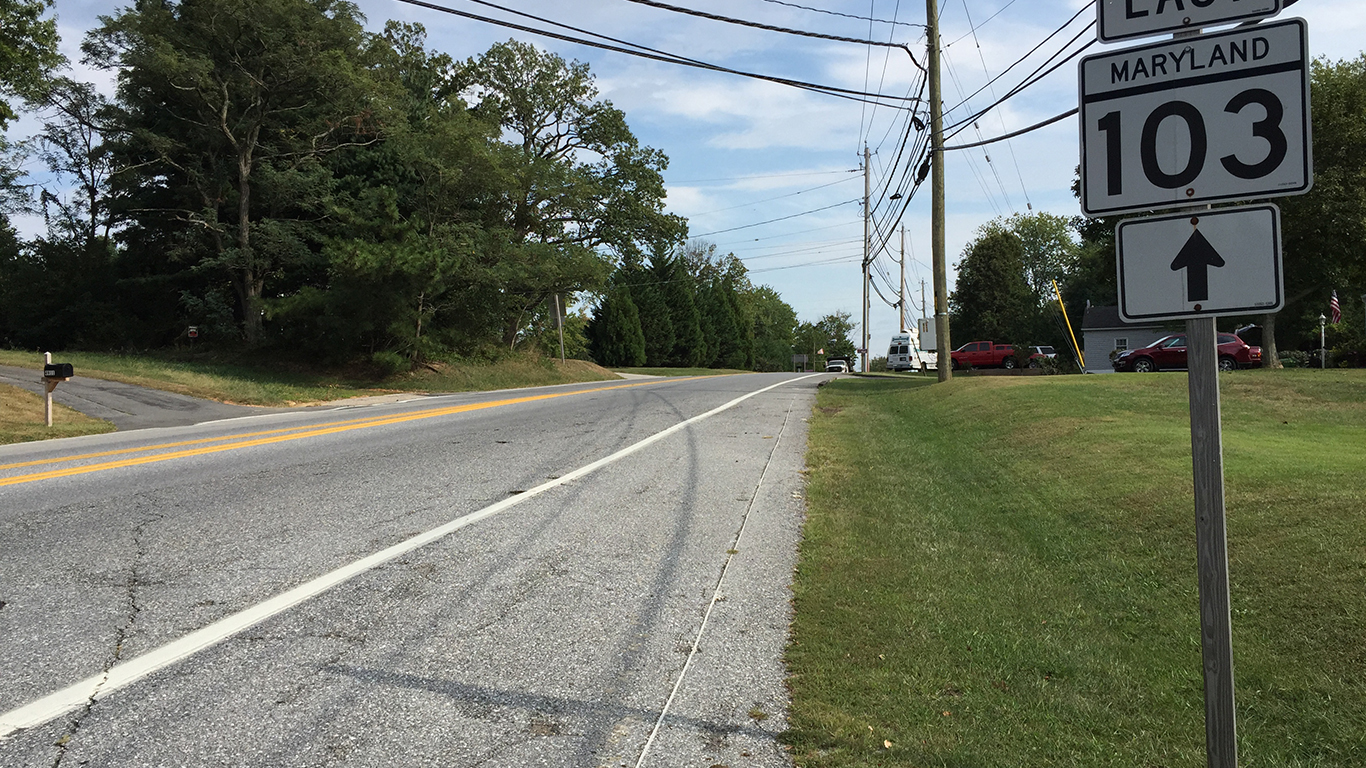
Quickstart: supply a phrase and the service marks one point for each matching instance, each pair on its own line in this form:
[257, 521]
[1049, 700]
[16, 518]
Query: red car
[983, 354]
[1169, 352]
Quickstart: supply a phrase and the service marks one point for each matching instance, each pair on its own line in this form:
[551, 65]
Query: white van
[905, 354]
[901, 353]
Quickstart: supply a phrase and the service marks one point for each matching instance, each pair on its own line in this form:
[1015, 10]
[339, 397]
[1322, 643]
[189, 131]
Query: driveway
[126, 405]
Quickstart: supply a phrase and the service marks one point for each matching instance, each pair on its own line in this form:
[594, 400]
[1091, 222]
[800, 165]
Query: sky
[774, 173]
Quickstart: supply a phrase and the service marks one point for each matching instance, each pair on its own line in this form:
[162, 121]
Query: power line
[1013, 134]
[785, 234]
[766, 176]
[962, 125]
[779, 197]
[645, 52]
[882, 79]
[780, 218]
[845, 15]
[1009, 147]
[973, 32]
[1031, 52]
[837, 260]
[773, 28]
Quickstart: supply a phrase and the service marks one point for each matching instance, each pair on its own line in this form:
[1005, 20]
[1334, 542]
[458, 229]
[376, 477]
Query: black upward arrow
[1196, 257]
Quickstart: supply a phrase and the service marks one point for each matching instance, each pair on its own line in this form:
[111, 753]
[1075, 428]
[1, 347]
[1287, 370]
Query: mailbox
[58, 371]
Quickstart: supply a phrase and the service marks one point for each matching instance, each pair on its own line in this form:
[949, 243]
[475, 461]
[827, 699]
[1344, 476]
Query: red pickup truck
[983, 354]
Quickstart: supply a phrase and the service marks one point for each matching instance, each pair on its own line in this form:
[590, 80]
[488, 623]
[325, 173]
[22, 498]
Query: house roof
[1106, 318]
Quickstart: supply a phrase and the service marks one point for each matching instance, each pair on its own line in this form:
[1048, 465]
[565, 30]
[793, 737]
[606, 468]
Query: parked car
[1037, 353]
[1169, 352]
[836, 366]
[984, 354]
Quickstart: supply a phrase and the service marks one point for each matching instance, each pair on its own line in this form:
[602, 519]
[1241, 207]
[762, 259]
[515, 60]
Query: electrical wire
[838, 260]
[992, 90]
[650, 53]
[973, 31]
[845, 15]
[779, 197]
[766, 176]
[772, 28]
[780, 218]
[1029, 53]
[1013, 134]
[962, 125]
[785, 234]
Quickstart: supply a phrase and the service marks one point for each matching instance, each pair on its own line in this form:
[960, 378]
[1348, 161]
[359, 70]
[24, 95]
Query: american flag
[1335, 309]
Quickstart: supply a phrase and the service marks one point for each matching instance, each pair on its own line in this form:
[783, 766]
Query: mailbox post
[53, 374]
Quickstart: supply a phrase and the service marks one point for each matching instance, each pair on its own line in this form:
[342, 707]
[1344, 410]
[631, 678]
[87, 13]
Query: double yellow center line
[233, 442]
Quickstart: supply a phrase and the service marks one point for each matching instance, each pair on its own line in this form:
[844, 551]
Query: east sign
[1125, 19]
[1217, 117]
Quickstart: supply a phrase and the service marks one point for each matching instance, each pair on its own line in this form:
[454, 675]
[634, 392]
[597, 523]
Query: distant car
[1169, 352]
[1037, 353]
[836, 366]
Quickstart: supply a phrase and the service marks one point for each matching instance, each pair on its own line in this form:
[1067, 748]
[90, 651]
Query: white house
[1102, 333]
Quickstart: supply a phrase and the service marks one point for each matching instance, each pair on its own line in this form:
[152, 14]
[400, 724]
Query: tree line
[695, 308]
[274, 175]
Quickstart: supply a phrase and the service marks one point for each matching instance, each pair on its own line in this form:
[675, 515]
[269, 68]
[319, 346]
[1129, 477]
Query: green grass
[239, 381]
[681, 371]
[22, 420]
[1001, 572]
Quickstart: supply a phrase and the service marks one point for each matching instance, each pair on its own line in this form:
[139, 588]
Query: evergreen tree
[655, 321]
[614, 334]
[676, 286]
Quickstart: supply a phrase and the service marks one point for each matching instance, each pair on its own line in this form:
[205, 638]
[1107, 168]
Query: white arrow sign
[1200, 264]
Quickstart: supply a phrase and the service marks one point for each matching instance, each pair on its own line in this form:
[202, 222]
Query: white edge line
[76, 695]
[715, 596]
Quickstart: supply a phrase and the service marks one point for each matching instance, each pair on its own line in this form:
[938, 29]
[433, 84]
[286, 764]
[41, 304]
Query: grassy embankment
[1001, 572]
[21, 419]
[235, 382]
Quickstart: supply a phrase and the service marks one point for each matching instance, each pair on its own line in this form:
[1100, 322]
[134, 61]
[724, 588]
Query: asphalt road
[591, 575]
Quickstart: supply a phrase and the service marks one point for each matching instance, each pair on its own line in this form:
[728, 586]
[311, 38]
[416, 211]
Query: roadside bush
[1294, 358]
[390, 363]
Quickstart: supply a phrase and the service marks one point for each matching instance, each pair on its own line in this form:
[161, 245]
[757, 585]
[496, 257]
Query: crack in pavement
[120, 634]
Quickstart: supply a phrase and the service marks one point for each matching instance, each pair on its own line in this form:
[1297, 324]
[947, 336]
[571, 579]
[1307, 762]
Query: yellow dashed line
[268, 437]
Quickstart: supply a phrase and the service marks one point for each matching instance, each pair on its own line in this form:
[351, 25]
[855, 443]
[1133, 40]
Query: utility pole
[867, 256]
[941, 283]
[901, 306]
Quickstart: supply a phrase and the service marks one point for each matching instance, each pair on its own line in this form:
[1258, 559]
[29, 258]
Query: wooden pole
[867, 251]
[1211, 543]
[901, 307]
[941, 282]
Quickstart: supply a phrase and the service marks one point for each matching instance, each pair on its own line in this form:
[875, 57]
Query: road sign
[1125, 19]
[1214, 117]
[1200, 264]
